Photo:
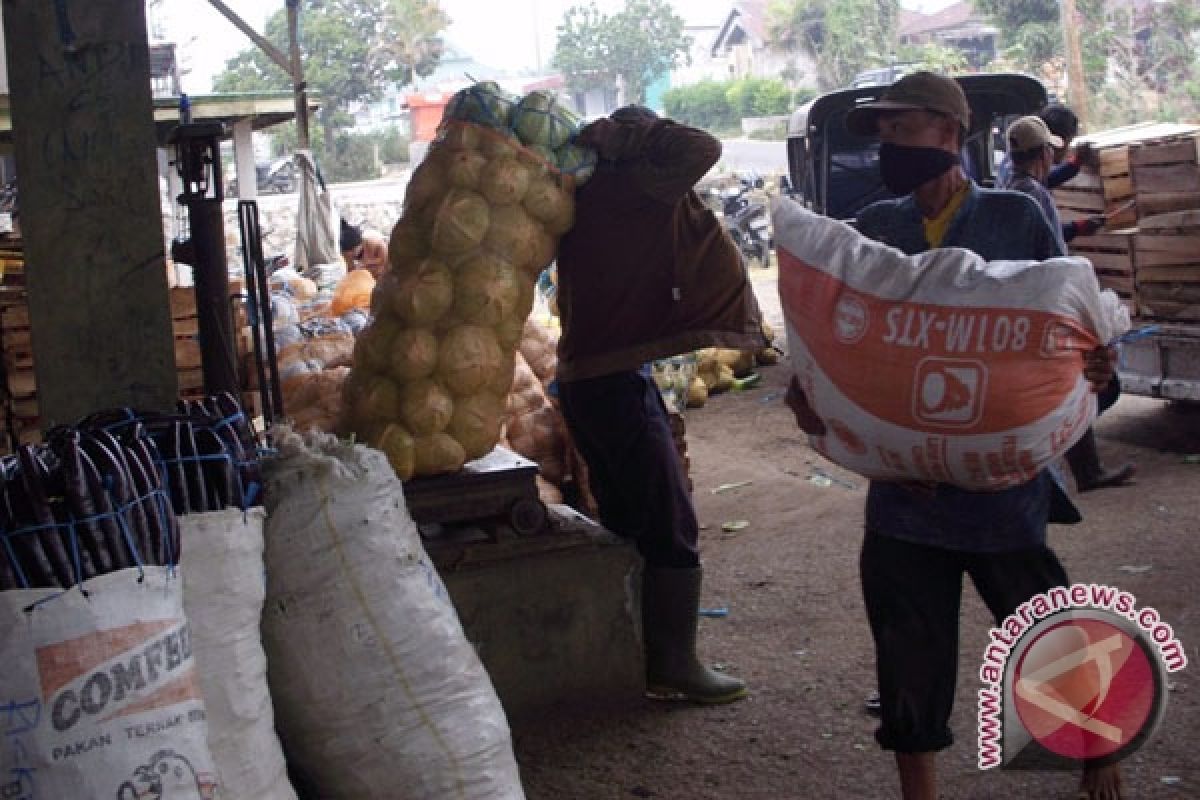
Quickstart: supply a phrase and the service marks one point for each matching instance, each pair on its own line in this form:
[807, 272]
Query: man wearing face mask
[921, 539]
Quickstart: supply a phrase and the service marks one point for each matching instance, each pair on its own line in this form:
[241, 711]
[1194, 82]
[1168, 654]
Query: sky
[511, 35]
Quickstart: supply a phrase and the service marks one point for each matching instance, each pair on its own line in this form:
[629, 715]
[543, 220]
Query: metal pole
[293, 13]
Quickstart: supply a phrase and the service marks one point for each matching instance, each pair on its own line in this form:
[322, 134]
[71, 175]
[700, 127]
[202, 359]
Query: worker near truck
[1032, 147]
[647, 272]
[921, 539]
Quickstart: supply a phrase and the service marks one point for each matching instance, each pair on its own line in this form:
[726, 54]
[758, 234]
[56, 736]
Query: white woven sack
[223, 591]
[377, 692]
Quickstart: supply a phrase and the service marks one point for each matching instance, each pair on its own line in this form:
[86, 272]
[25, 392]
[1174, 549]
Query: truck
[836, 173]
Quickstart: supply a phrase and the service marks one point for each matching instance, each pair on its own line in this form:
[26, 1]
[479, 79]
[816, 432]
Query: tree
[411, 47]
[633, 47]
[844, 37]
[1031, 29]
[349, 48]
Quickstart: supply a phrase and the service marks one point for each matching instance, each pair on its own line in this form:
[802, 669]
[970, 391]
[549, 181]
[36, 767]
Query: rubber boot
[670, 613]
[1084, 460]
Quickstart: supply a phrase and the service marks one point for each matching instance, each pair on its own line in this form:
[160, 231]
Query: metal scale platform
[499, 487]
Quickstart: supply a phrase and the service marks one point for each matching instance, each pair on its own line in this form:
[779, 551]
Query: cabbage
[423, 295]
[468, 358]
[513, 236]
[461, 222]
[458, 136]
[476, 422]
[464, 167]
[373, 349]
[541, 120]
[485, 103]
[579, 162]
[547, 155]
[501, 383]
[438, 454]
[399, 447]
[425, 407]
[509, 331]
[504, 181]
[486, 289]
[414, 354]
[499, 144]
[380, 399]
[551, 205]
[409, 243]
[545, 249]
[427, 185]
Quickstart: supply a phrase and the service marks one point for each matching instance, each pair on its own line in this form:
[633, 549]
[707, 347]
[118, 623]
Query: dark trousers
[912, 594]
[622, 430]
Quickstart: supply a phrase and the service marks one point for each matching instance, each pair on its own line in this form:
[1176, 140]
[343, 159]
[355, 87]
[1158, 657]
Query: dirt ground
[797, 632]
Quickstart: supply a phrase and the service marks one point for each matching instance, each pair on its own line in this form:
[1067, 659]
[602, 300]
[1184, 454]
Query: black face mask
[905, 168]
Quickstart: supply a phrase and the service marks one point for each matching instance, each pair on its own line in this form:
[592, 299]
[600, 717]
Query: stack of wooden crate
[20, 398]
[1140, 172]
[1166, 174]
[1168, 266]
[1105, 188]
[1114, 257]
[20, 389]
[186, 327]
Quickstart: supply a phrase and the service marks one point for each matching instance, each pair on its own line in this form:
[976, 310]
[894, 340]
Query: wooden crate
[1168, 266]
[1109, 186]
[1104, 189]
[1114, 258]
[1166, 174]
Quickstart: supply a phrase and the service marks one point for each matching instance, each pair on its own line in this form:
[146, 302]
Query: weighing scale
[498, 487]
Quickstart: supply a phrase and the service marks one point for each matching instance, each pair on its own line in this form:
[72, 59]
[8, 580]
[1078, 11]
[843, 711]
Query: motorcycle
[745, 218]
[278, 176]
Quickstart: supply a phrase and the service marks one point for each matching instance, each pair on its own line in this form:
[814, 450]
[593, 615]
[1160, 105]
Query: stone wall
[277, 218]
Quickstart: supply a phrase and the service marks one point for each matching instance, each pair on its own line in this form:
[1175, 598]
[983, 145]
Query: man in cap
[647, 272]
[1032, 146]
[921, 539]
[1068, 159]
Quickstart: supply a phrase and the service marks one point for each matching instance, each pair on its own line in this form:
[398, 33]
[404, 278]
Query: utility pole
[1076, 83]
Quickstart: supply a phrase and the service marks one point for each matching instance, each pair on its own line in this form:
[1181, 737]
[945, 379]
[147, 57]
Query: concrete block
[555, 617]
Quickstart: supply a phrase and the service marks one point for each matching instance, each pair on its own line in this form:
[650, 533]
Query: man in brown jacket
[647, 272]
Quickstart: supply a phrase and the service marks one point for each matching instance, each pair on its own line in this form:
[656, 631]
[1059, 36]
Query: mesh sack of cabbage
[941, 366]
[482, 217]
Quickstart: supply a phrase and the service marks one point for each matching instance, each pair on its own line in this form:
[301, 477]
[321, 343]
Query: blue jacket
[997, 225]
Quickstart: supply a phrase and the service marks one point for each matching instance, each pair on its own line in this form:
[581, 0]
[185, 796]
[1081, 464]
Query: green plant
[393, 146]
[703, 105]
[353, 159]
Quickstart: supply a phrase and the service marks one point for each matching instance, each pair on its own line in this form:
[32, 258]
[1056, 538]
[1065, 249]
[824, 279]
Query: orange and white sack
[100, 692]
[941, 366]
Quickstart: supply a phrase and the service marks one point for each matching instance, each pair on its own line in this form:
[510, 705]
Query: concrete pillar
[84, 140]
[243, 159]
